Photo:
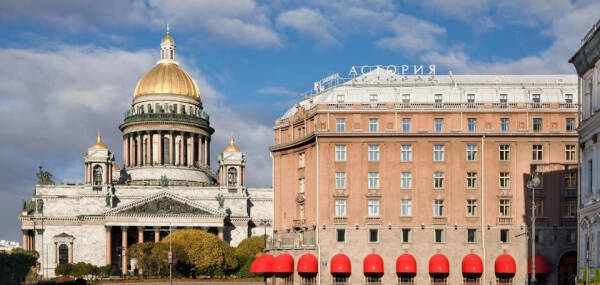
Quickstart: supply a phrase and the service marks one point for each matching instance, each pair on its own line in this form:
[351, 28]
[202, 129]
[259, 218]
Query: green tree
[251, 246]
[15, 266]
[64, 269]
[206, 253]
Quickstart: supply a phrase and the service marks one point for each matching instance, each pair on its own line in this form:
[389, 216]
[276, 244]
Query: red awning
[373, 264]
[439, 264]
[505, 264]
[340, 264]
[284, 263]
[472, 264]
[542, 266]
[308, 264]
[406, 264]
[264, 264]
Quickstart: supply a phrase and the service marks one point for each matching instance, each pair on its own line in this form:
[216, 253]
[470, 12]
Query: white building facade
[166, 182]
[587, 63]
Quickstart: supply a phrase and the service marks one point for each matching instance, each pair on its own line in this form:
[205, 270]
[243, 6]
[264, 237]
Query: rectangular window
[504, 178]
[539, 208]
[504, 150]
[406, 207]
[373, 152]
[503, 99]
[438, 180]
[570, 179]
[373, 207]
[373, 235]
[340, 125]
[471, 235]
[470, 99]
[504, 236]
[438, 152]
[570, 152]
[537, 124]
[438, 124]
[535, 98]
[405, 235]
[471, 208]
[472, 124]
[437, 98]
[471, 180]
[406, 125]
[504, 208]
[340, 207]
[340, 152]
[340, 98]
[406, 152]
[471, 152]
[570, 124]
[537, 152]
[571, 208]
[405, 98]
[341, 235]
[405, 180]
[504, 124]
[373, 125]
[438, 208]
[340, 180]
[373, 99]
[569, 98]
[373, 178]
[439, 235]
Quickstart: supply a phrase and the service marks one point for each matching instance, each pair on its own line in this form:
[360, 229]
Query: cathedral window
[63, 254]
[97, 175]
[232, 176]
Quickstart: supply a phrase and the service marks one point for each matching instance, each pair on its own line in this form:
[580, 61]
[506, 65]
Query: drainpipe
[483, 204]
[318, 212]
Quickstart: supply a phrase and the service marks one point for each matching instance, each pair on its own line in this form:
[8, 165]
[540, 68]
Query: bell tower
[99, 163]
[232, 167]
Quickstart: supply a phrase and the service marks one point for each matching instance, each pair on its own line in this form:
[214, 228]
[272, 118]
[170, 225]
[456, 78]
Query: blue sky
[69, 67]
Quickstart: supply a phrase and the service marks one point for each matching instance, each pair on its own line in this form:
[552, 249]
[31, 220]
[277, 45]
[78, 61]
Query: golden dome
[231, 147]
[169, 79]
[167, 39]
[99, 144]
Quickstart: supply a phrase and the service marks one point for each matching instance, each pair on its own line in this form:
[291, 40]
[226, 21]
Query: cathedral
[166, 182]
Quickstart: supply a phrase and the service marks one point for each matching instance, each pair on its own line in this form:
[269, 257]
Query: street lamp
[265, 223]
[532, 184]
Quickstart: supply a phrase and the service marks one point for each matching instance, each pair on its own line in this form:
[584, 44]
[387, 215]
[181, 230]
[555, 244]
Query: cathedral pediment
[164, 204]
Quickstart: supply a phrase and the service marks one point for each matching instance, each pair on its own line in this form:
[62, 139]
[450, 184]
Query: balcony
[373, 220]
[439, 220]
[503, 221]
[200, 120]
[340, 220]
[298, 223]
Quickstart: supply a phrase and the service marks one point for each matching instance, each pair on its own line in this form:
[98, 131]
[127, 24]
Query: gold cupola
[99, 144]
[231, 147]
[167, 77]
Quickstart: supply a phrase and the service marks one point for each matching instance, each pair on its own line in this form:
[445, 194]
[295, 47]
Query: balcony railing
[504, 221]
[439, 220]
[458, 105]
[169, 117]
[340, 220]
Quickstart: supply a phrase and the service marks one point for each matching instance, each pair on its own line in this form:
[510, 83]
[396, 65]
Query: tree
[153, 258]
[251, 246]
[15, 266]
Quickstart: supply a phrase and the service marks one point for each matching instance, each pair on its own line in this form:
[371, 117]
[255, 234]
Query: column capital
[108, 228]
[140, 228]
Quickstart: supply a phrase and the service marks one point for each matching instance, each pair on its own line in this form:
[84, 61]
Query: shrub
[15, 266]
[64, 269]
[251, 246]
[244, 269]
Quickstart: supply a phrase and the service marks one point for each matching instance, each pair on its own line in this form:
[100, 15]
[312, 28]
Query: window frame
[438, 125]
[471, 180]
[504, 180]
[373, 152]
[340, 125]
[471, 152]
[340, 208]
[406, 153]
[439, 152]
[373, 180]
[373, 125]
[438, 208]
[504, 154]
[340, 152]
[537, 152]
[406, 207]
[472, 210]
[373, 208]
[439, 178]
[406, 125]
[405, 180]
[472, 125]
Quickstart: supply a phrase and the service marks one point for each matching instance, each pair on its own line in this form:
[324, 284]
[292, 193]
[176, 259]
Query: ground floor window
[308, 279]
[340, 279]
[471, 281]
[439, 279]
[287, 279]
[406, 279]
[504, 279]
[373, 279]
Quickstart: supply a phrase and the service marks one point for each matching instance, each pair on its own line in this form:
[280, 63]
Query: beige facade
[426, 166]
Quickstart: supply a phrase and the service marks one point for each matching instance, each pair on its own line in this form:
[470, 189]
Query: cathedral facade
[166, 182]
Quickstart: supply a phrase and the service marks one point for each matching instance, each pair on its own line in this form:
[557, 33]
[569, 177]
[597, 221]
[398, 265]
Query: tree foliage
[15, 265]
[82, 269]
[153, 259]
[250, 246]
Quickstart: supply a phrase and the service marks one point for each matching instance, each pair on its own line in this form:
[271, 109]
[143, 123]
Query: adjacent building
[587, 62]
[165, 184]
[388, 177]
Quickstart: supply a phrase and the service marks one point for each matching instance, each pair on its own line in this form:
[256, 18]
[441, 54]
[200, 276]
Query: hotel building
[422, 179]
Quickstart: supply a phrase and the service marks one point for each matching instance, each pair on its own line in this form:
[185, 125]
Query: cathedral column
[148, 148]
[125, 154]
[71, 252]
[124, 250]
[199, 150]
[105, 175]
[131, 150]
[108, 245]
[160, 145]
[55, 252]
[206, 151]
[25, 239]
[156, 234]
[171, 148]
[191, 151]
[140, 240]
[181, 149]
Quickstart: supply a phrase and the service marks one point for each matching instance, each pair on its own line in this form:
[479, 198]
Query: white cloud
[310, 23]
[277, 90]
[412, 34]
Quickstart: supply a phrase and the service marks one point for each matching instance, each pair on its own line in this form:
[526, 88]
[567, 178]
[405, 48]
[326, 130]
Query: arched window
[63, 254]
[232, 176]
[97, 175]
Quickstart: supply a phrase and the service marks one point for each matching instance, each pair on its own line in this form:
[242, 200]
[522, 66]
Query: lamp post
[533, 183]
[265, 223]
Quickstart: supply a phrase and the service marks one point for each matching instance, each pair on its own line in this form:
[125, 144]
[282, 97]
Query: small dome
[169, 79]
[99, 144]
[167, 39]
[231, 147]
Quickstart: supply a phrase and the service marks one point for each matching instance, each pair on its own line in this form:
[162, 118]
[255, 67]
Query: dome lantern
[99, 144]
[167, 47]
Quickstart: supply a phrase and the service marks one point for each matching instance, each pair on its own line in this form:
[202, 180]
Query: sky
[69, 68]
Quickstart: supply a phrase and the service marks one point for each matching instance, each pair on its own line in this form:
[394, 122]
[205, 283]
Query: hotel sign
[405, 69]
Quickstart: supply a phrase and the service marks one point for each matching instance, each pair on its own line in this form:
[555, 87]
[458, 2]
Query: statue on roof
[44, 177]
